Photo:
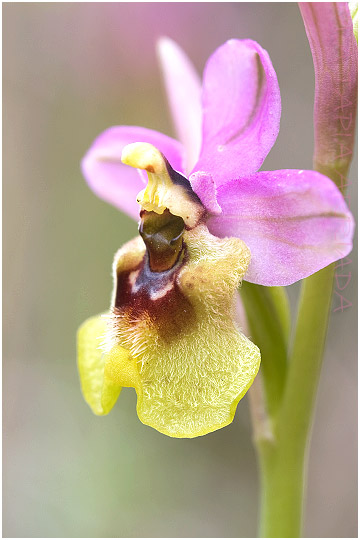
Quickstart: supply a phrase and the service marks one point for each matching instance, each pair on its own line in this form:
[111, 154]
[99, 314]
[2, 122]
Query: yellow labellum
[171, 332]
[188, 382]
[99, 392]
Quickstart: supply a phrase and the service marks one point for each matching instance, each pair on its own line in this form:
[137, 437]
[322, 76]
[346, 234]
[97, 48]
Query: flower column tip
[142, 155]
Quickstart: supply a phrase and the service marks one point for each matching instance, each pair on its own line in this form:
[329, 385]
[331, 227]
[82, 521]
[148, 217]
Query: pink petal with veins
[241, 110]
[294, 222]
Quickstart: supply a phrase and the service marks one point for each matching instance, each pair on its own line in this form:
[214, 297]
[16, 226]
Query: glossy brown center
[162, 234]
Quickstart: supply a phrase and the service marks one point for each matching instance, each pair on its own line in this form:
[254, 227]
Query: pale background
[70, 71]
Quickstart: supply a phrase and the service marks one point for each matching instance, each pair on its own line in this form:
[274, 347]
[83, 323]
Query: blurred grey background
[70, 70]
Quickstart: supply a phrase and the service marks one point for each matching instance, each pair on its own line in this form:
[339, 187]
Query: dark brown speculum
[162, 235]
[152, 294]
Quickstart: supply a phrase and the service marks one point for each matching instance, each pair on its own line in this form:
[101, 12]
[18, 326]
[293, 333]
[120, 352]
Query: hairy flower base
[173, 338]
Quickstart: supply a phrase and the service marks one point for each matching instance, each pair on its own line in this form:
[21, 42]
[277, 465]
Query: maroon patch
[172, 314]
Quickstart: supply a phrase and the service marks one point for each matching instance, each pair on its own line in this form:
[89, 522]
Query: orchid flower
[208, 219]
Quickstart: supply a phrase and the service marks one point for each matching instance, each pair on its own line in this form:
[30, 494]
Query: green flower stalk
[282, 453]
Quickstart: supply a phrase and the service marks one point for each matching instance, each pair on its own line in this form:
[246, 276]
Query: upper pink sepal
[241, 110]
[183, 88]
[115, 182]
[294, 222]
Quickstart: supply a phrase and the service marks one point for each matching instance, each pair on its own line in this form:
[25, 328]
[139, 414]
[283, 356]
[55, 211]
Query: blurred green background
[70, 70]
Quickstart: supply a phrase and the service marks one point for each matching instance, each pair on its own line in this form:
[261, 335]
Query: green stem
[282, 460]
[268, 316]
